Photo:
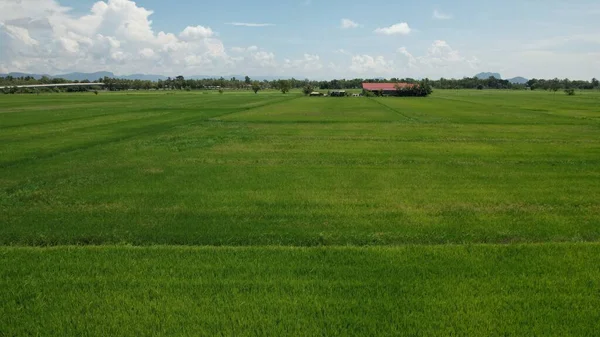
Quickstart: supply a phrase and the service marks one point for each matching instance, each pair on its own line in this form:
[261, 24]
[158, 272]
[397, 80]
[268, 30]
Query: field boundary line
[394, 110]
[66, 120]
[215, 118]
[152, 128]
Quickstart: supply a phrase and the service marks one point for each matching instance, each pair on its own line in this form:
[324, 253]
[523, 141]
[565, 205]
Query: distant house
[386, 89]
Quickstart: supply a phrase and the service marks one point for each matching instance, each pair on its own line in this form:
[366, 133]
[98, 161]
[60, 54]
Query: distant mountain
[85, 76]
[102, 74]
[36, 76]
[485, 76]
[518, 80]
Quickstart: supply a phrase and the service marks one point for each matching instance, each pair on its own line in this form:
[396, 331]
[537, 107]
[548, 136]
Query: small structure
[315, 93]
[338, 93]
[356, 95]
[386, 89]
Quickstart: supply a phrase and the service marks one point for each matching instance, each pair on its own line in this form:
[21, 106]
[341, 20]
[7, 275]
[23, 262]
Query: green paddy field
[467, 213]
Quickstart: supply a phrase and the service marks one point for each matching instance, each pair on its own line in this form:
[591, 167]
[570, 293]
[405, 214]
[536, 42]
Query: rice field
[185, 213]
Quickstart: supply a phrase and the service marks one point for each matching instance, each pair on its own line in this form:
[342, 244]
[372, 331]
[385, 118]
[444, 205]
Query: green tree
[532, 84]
[554, 85]
[179, 82]
[307, 89]
[595, 83]
[255, 87]
[247, 80]
[284, 86]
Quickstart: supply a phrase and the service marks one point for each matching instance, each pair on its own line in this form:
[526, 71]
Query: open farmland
[468, 213]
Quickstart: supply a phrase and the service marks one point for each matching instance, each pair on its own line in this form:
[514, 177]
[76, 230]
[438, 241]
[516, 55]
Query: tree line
[181, 83]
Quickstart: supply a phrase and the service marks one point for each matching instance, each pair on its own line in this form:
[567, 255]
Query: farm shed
[338, 93]
[387, 89]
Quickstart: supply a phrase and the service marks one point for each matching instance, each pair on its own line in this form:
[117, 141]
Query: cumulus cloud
[41, 36]
[19, 33]
[115, 34]
[264, 59]
[397, 29]
[244, 49]
[440, 60]
[309, 63]
[147, 53]
[441, 54]
[250, 24]
[196, 33]
[411, 61]
[367, 64]
[347, 24]
[439, 15]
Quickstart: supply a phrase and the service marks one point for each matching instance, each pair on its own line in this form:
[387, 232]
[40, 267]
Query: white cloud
[147, 53]
[254, 60]
[397, 29]
[250, 24]
[13, 10]
[440, 51]
[69, 45]
[410, 59]
[440, 60]
[347, 24]
[264, 59]
[243, 49]
[309, 63]
[367, 64]
[19, 33]
[196, 33]
[41, 36]
[439, 15]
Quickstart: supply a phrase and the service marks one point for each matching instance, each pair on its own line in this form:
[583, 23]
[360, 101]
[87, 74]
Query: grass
[189, 169]
[530, 290]
[465, 213]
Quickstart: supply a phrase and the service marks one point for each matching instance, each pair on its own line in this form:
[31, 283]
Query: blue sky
[305, 38]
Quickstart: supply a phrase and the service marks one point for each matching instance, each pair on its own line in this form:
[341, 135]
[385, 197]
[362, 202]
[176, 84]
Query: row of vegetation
[181, 83]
